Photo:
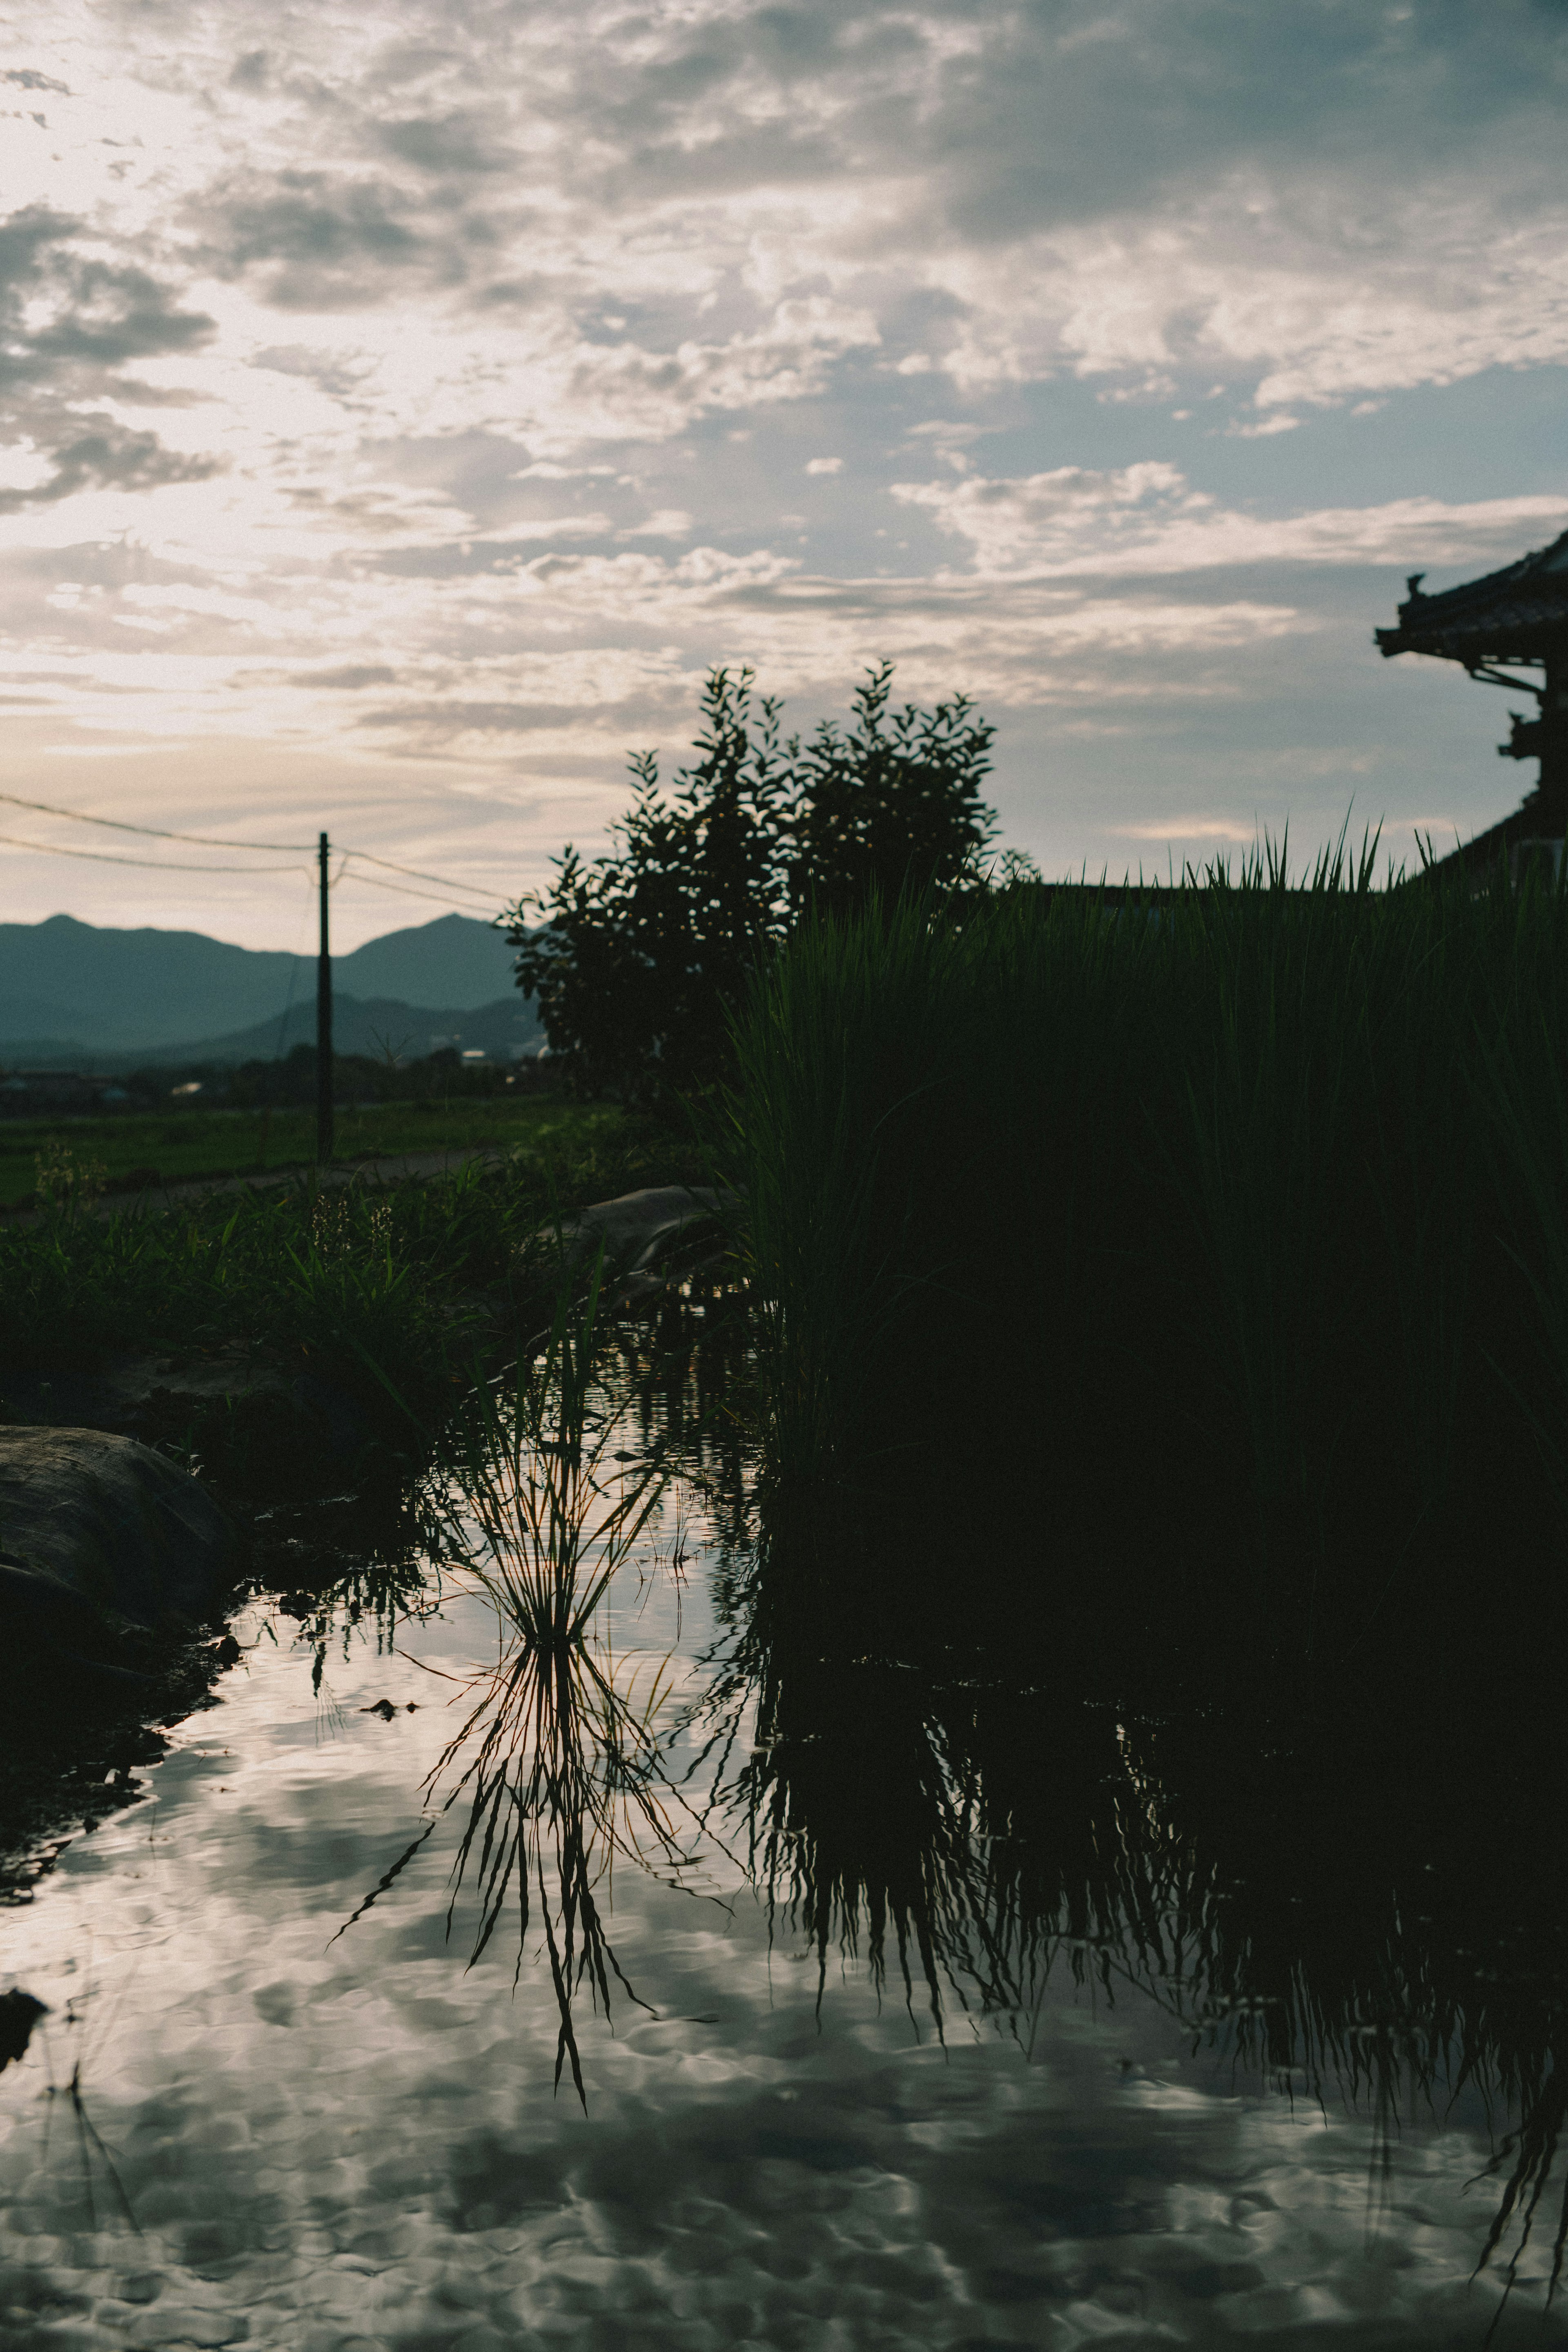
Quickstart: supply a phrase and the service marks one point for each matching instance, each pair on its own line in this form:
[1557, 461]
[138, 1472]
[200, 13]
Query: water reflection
[1359, 1917]
[557, 1769]
[559, 1773]
[1366, 1916]
[1032, 2014]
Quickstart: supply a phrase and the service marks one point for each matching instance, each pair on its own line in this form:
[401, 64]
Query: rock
[640, 1228]
[20, 2012]
[95, 1527]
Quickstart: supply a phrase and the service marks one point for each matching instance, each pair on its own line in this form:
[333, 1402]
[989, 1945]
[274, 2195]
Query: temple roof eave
[1476, 647]
[1516, 614]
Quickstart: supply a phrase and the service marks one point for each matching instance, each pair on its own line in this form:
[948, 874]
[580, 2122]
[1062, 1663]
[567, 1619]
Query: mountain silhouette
[74, 992]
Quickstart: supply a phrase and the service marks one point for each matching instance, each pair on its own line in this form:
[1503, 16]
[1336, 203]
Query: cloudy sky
[402, 404]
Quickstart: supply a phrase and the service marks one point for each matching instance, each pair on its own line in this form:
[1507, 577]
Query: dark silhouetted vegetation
[1224, 1227]
[642, 953]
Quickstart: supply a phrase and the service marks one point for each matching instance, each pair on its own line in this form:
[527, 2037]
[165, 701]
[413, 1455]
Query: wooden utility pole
[324, 1026]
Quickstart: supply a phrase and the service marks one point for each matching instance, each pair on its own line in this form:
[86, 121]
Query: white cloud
[669, 522]
[1147, 517]
[422, 342]
[1189, 828]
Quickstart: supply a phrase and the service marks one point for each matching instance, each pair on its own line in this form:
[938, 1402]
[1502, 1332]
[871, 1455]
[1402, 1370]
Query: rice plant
[1224, 1225]
[840, 1044]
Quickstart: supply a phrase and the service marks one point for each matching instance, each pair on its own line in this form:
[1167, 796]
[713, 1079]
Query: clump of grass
[1224, 1225]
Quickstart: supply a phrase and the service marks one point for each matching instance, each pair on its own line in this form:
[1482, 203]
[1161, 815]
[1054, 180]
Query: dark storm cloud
[319, 241]
[66, 315]
[68, 319]
[108, 457]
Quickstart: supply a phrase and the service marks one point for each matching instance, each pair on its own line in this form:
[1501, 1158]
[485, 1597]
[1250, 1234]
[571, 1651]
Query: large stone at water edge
[93, 1524]
[641, 1227]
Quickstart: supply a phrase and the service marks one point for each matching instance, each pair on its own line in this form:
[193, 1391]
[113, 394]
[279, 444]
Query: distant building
[1508, 621]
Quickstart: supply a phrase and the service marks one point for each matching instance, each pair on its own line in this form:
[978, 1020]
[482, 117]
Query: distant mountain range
[73, 996]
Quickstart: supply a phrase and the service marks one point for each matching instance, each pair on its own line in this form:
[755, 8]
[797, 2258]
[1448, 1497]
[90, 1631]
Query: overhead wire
[155, 831]
[296, 962]
[163, 865]
[210, 840]
[470, 907]
[417, 872]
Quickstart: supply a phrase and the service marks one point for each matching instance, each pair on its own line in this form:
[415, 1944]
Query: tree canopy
[634, 958]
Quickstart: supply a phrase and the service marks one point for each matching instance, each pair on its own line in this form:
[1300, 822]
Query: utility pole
[324, 1026]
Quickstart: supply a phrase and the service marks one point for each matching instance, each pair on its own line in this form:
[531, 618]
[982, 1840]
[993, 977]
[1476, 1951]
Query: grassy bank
[171, 1147]
[1216, 1244]
[381, 1296]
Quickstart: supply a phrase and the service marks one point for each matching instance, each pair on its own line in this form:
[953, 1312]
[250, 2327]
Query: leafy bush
[642, 952]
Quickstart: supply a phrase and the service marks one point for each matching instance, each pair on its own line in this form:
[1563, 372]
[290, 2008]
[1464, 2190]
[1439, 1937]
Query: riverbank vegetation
[384, 1295]
[1218, 1237]
[1199, 1252]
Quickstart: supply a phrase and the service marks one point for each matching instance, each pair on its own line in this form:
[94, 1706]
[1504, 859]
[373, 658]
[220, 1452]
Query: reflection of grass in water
[934, 1818]
[871, 1831]
[560, 1771]
[558, 1761]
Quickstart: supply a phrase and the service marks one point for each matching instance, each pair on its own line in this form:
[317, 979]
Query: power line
[154, 832]
[419, 874]
[171, 866]
[210, 840]
[403, 891]
[108, 857]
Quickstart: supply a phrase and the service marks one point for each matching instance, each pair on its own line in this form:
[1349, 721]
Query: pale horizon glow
[402, 407]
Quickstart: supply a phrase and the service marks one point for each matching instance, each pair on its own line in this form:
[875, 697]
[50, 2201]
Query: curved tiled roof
[1510, 615]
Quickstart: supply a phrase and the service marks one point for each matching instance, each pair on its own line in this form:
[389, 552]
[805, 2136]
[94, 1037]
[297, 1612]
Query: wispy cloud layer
[399, 405]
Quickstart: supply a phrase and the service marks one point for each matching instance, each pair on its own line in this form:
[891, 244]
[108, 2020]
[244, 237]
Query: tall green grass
[353, 1277]
[1226, 1226]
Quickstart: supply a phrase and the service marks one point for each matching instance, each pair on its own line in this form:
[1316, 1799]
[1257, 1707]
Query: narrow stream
[262, 2111]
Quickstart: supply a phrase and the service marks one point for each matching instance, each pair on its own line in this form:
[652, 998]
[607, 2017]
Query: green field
[172, 1147]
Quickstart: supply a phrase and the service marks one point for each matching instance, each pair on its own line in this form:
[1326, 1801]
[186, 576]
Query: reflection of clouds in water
[352, 2143]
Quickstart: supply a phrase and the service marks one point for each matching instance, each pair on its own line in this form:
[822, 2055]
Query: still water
[244, 2120]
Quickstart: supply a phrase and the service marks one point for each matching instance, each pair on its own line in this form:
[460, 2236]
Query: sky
[402, 405]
